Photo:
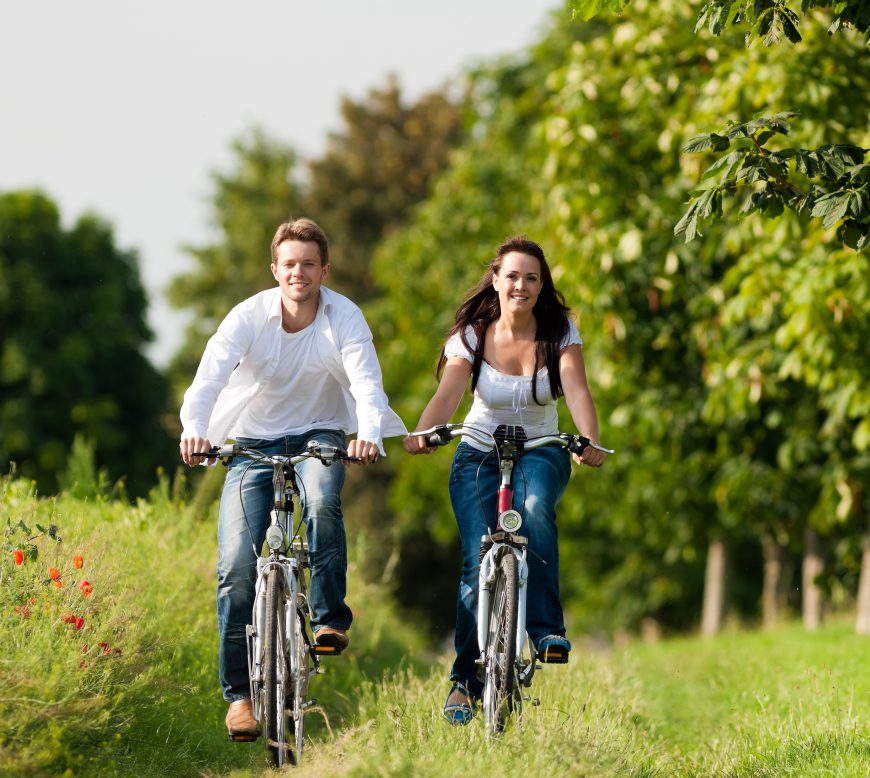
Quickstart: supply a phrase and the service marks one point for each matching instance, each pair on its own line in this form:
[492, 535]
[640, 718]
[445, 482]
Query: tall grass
[132, 689]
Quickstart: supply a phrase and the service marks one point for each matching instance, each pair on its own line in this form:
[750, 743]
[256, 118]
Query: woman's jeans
[246, 503]
[539, 479]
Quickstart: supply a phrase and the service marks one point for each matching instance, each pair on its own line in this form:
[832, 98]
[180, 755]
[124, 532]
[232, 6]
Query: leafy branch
[837, 189]
[769, 20]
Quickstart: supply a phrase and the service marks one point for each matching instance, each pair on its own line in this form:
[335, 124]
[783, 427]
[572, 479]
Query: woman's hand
[416, 444]
[591, 457]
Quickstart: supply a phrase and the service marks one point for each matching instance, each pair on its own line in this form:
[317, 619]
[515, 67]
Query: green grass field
[132, 688]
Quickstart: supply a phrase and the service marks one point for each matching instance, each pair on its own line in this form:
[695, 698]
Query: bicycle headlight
[274, 538]
[511, 521]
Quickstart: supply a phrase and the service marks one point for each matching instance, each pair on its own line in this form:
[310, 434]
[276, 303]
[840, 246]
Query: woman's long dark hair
[482, 307]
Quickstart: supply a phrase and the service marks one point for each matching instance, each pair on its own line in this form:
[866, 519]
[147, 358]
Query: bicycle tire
[275, 672]
[301, 675]
[500, 650]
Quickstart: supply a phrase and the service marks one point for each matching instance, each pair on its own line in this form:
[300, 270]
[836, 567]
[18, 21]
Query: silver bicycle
[281, 653]
[507, 656]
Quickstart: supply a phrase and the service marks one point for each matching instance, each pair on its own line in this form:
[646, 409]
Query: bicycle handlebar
[442, 434]
[326, 454]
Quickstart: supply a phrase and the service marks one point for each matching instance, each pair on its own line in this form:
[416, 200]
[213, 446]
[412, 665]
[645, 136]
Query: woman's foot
[459, 708]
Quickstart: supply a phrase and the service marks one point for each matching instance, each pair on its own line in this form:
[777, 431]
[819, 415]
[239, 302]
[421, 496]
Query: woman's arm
[578, 398]
[444, 402]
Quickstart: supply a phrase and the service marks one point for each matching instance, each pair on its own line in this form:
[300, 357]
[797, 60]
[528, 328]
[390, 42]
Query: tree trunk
[862, 626]
[714, 588]
[812, 568]
[773, 592]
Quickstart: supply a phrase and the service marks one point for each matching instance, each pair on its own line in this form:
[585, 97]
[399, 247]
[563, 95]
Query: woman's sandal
[459, 713]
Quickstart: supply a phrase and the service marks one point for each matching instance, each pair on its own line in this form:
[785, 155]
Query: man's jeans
[249, 507]
[539, 479]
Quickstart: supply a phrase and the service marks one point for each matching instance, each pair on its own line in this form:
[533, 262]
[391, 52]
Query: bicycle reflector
[275, 537]
[511, 521]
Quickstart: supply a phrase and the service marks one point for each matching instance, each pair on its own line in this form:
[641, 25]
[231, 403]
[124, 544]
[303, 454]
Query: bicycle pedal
[240, 738]
[326, 650]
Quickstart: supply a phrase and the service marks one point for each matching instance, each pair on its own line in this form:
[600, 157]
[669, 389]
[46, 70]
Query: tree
[831, 182]
[375, 170]
[798, 311]
[72, 334]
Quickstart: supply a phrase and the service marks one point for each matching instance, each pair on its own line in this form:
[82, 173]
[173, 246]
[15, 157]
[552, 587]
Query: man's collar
[323, 303]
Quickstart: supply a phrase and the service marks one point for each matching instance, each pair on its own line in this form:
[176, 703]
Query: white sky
[124, 109]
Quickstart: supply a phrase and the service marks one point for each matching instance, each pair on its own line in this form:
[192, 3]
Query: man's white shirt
[256, 380]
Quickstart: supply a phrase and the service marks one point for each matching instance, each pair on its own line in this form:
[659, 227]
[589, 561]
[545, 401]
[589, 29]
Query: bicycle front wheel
[275, 671]
[301, 673]
[500, 650]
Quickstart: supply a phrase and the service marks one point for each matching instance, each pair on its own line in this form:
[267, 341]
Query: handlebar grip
[578, 445]
[440, 437]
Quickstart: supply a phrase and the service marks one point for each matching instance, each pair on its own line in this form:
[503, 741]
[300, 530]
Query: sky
[125, 109]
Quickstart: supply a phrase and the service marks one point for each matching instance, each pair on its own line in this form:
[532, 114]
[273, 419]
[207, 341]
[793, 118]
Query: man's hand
[364, 449]
[189, 445]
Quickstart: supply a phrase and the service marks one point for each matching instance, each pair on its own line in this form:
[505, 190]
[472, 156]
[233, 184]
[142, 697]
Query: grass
[133, 690]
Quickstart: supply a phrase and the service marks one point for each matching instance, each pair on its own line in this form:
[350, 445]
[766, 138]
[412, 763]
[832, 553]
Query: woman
[514, 339]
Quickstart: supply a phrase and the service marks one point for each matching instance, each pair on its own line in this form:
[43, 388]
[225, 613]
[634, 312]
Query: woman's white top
[500, 398]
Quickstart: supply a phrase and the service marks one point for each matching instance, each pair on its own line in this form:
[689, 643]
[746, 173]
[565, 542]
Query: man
[289, 365]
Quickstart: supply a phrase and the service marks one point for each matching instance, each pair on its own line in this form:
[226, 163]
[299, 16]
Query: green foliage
[773, 20]
[72, 333]
[586, 9]
[770, 20]
[840, 194]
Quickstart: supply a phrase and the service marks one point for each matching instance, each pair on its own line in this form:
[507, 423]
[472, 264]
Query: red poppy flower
[78, 561]
[80, 622]
[54, 573]
[69, 618]
[19, 556]
[58, 583]
[106, 649]
[86, 588]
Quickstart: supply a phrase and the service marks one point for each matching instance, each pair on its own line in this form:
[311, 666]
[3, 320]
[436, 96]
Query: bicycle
[507, 656]
[281, 654]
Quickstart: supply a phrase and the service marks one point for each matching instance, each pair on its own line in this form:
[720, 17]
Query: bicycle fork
[286, 567]
[486, 578]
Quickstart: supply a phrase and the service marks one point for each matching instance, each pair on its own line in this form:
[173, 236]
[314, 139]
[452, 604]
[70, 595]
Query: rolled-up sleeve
[360, 362]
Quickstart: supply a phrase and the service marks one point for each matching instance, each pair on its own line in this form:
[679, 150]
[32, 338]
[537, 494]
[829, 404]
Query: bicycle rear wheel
[500, 649]
[301, 674]
[275, 671]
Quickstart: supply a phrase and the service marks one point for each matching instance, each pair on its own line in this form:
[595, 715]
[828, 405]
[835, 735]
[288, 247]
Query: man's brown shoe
[240, 721]
[330, 641]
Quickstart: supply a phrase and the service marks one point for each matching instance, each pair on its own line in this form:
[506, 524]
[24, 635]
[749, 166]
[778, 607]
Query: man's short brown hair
[302, 230]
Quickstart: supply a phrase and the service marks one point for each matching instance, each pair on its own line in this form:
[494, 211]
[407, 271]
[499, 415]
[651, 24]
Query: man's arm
[222, 354]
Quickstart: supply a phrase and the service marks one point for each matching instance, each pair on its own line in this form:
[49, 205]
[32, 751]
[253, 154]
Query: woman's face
[518, 282]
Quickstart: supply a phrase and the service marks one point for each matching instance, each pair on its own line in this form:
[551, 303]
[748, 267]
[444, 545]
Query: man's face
[298, 271]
